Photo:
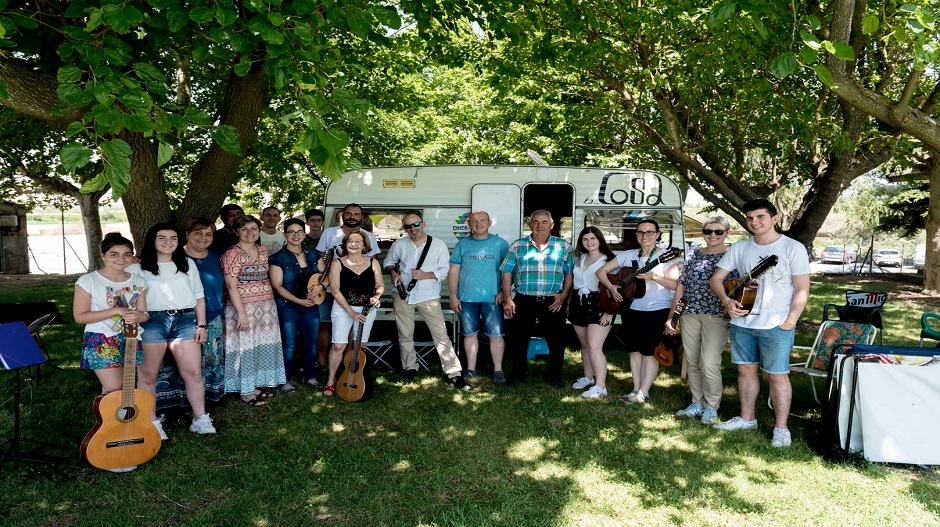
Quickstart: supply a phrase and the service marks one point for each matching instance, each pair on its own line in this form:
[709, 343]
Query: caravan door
[503, 202]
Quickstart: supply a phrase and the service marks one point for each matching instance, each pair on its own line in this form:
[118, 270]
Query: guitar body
[665, 352]
[355, 384]
[123, 436]
[745, 293]
[318, 277]
[632, 288]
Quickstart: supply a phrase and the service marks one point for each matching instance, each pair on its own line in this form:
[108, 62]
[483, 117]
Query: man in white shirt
[423, 286]
[332, 237]
[270, 236]
[762, 336]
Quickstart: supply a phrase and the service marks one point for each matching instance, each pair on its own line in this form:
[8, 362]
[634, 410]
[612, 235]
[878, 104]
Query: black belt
[172, 311]
[541, 298]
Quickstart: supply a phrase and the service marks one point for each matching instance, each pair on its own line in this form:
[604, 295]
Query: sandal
[315, 384]
[254, 401]
[635, 397]
[329, 390]
[261, 394]
[287, 388]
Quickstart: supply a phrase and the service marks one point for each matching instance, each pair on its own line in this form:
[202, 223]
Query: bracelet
[202, 326]
[791, 324]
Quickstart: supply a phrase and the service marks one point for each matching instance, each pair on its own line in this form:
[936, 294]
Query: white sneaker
[203, 425]
[709, 416]
[594, 392]
[582, 383]
[122, 470]
[693, 410]
[157, 423]
[736, 423]
[781, 438]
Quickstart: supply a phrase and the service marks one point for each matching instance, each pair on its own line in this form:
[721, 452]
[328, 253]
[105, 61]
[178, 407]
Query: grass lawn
[421, 453]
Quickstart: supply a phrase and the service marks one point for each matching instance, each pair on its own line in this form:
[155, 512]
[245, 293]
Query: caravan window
[385, 224]
[619, 225]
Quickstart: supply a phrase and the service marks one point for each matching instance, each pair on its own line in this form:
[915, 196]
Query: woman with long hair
[590, 323]
[177, 321]
[253, 355]
[356, 280]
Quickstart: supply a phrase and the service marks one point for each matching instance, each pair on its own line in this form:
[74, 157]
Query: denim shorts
[768, 347]
[163, 327]
[471, 313]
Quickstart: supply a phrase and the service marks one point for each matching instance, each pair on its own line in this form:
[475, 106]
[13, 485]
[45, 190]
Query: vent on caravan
[398, 183]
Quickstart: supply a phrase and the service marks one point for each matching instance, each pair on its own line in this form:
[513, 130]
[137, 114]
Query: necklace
[295, 253]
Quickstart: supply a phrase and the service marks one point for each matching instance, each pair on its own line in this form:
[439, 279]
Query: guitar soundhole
[126, 413]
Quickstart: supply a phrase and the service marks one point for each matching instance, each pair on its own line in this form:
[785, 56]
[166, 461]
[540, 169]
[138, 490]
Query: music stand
[18, 351]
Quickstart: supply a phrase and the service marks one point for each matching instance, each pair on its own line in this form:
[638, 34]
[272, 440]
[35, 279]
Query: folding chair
[863, 307]
[378, 350]
[422, 351]
[928, 329]
[833, 336]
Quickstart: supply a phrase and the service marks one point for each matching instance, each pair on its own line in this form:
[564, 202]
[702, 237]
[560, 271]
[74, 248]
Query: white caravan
[612, 199]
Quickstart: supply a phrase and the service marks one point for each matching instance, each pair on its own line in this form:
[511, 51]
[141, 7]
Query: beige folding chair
[833, 336]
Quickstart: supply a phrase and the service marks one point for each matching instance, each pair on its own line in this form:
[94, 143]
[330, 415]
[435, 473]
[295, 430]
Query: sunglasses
[414, 225]
[709, 232]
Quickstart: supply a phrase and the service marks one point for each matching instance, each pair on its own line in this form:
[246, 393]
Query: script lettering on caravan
[619, 188]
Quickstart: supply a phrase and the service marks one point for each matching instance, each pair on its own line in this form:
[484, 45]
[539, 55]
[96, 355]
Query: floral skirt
[254, 357]
[100, 352]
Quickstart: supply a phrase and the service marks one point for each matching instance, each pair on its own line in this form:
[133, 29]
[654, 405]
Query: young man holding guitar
[764, 334]
[643, 321]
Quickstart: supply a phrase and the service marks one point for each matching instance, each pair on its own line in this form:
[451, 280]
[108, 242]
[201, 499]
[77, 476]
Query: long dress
[171, 390]
[253, 357]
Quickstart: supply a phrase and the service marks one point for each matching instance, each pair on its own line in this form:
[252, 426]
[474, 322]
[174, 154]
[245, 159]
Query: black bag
[825, 438]
[301, 282]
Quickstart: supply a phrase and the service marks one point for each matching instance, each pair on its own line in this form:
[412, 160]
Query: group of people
[230, 306]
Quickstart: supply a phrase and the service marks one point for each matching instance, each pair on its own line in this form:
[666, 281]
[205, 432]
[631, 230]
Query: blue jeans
[307, 320]
[768, 347]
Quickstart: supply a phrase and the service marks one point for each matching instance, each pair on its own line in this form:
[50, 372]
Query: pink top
[252, 275]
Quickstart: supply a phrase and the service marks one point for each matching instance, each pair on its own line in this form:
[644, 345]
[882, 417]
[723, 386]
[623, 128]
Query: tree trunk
[91, 219]
[145, 200]
[932, 259]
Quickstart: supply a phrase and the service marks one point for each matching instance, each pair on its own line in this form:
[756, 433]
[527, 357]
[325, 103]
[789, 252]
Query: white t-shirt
[106, 294]
[274, 242]
[776, 285]
[657, 297]
[333, 237]
[170, 289]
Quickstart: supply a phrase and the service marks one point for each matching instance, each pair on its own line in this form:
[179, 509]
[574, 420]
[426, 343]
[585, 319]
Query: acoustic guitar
[355, 383]
[123, 435]
[745, 290]
[628, 285]
[316, 278]
[665, 352]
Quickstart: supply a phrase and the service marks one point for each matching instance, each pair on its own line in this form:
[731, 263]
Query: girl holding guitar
[104, 301]
[705, 326]
[647, 313]
[356, 280]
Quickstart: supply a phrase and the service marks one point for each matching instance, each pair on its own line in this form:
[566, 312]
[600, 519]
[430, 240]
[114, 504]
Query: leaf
[202, 15]
[333, 140]
[197, 116]
[721, 13]
[275, 18]
[241, 69]
[73, 128]
[303, 30]
[843, 51]
[808, 55]
[824, 75]
[4, 90]
[164, 153]
[178, 18]
[74, 155]
[387, 16]
[304, 7]
[226, 17]
[94, 184]
[810, 40]
[116, 152]
[360, 22]
[69, 74]
[119, 177]
[814, 23]
[870, 24]
[227, 138]
[908, 8]
[70, 93]
[272, 35]
[783, 65]
[146, 71]
[139, 123]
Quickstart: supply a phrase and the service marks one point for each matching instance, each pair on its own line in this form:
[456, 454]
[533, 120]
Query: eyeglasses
[414, 225]
[709, 232]
[646, 233]
[294, 233]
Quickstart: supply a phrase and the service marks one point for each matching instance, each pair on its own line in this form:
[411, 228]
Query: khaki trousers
[430, 311]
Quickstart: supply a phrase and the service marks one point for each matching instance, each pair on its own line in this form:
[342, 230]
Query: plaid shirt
[535, 272]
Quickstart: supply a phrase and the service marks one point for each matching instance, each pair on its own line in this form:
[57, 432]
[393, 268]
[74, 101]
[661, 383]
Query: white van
[920, 254]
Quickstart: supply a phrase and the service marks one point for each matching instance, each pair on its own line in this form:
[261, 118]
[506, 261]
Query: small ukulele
[627, 283]
[316, 278]
[355, 384]
[123, 435]
[745, 290]
[665, 352]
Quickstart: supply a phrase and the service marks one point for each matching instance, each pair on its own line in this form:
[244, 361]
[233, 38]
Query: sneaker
[122, 470]
[736, 423]
[157, 423]
[499, 377]
[693, 410]
[781, 438]
[709, 416]
[203, 425]
[594, 392]
[457, 382]
[469, 374]
[582, 383]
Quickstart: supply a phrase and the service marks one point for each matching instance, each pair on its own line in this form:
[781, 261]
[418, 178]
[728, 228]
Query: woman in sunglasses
[705, 326]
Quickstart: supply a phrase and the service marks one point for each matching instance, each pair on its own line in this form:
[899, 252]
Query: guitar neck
[130, 371]
[630, 279]
[358, 340]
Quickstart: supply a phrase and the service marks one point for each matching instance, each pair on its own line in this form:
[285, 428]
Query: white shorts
[342, 323]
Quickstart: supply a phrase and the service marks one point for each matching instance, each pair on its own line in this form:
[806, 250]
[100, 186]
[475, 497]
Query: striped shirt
[538, 272]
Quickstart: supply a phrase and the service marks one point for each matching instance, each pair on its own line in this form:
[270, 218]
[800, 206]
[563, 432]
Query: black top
[357, 288]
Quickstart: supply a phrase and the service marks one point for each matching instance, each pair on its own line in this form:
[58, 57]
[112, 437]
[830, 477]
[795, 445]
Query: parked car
[920, 254]
[837, 254]
[887, 258]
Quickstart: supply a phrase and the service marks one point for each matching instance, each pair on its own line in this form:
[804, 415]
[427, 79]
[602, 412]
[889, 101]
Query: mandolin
[665, 352]
[316, 278]
[745, 290]
[355, 383]
[123, 435]
[627, 283]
